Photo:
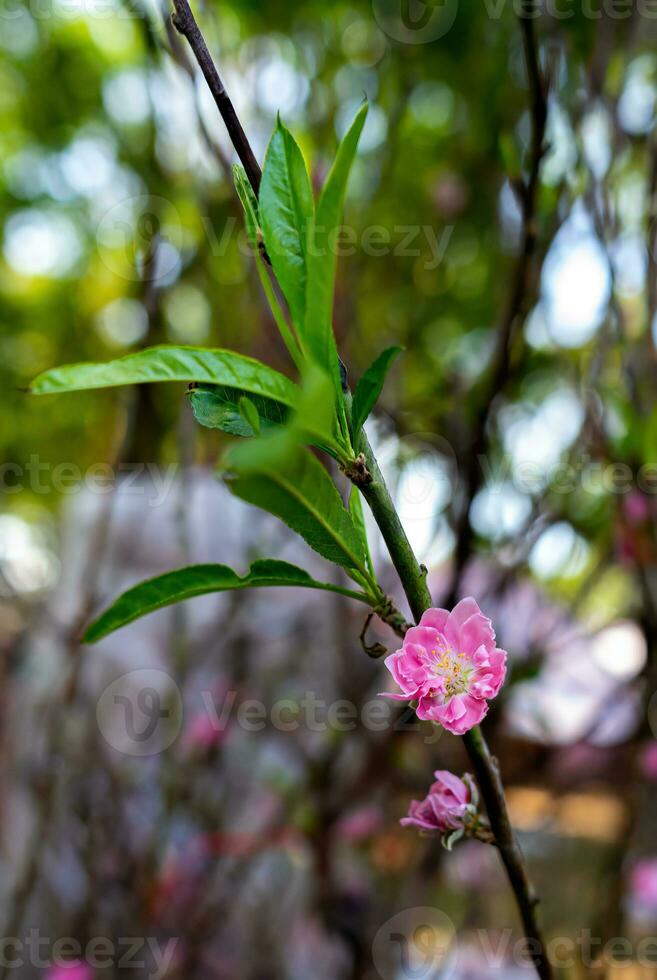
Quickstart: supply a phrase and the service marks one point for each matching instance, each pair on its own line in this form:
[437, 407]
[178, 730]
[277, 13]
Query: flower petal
[463, 610]
[423, 636]
[435, 619]
[447, 781]
[475, 632]
[460, 718]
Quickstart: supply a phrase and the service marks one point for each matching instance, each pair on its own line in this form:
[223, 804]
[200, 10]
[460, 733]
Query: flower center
[454, 669]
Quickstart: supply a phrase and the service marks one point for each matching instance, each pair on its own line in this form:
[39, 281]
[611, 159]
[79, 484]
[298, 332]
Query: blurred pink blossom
[448, 803]
[203, 732]
[450, 665]
[636, 507]
[649, 761]
[359, 824]
[75, 970]
[643, 883]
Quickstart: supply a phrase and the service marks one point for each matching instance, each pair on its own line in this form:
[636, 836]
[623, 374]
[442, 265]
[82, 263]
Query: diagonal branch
[411, 573]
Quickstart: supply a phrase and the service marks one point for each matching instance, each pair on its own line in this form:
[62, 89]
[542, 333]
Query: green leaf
[256, 240]
[358, 517]
[217, 407]
[249, 413]
[288, 481]
[312, 420]
[249, 203]
[195, 580]
[167, 363]
[322, 259]
[369, 388]
[286, 211]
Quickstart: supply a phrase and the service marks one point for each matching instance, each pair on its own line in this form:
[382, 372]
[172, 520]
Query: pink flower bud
[448, 805]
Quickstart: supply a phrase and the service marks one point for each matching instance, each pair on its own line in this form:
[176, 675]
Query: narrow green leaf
[369, 388]
[249, 413]
[286, 210]
[249, 203]
[217, 407]
[256, 240]
[288, 481]
[358, 517]
[165, 363]
[195, 580]
[322, 258]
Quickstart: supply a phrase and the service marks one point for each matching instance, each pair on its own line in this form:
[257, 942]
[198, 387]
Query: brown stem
[490, 784]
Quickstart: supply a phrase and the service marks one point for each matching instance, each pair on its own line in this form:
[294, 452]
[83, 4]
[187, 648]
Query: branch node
[356, 470]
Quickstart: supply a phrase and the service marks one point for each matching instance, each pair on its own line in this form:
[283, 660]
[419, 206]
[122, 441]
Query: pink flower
[649, 761]
[450, 665]
[75, 970]
[643, 883]
[449, 801]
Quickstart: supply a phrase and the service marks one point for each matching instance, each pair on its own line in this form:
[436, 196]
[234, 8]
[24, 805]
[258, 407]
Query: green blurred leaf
[166, 363]
[369, 388]
[286, 211]
[288, 481]
[195, 580]
[217, 407]
[314, 418]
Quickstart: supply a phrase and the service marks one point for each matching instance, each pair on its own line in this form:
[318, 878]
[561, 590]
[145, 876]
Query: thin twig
[183, 21]
[517, 300]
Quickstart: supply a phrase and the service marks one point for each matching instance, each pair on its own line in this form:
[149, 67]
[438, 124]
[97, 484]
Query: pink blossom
[649, 761]
[448, 803]
[450, 665]
[75, 970]
[643, 883]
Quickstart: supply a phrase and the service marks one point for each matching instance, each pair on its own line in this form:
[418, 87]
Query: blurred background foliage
[120, 229]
